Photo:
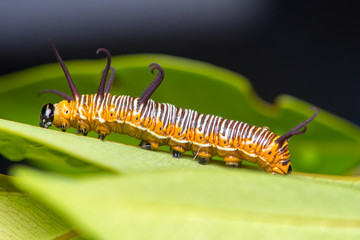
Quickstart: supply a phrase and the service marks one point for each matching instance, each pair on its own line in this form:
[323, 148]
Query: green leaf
[77, 154]
[201, 204]
[23, 217]
[329, 146]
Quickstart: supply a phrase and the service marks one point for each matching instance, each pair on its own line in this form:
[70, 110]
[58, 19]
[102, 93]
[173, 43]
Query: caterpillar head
[58, 114]
[47, 115]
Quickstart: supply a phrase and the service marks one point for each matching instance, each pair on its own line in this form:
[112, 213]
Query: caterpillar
[158, 124]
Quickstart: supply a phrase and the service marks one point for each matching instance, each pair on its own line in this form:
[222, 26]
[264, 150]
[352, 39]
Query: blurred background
[308, 49]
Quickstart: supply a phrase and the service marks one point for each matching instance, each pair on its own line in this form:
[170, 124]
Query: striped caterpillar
[164, 124]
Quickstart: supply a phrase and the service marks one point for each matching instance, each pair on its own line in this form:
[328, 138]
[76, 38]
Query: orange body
[181, 129]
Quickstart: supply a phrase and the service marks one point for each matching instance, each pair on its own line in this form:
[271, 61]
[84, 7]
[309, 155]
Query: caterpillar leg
[203, 160]
[232, 161]
[83, 128]
[63, 127]
[145, 145]
[175, 153]
[202, 156]
[103, 131]
[82, 131]
[149, 145]
[101, 136]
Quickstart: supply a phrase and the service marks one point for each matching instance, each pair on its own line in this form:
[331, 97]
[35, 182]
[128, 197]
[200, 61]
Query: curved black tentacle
[110, 80]
[154, 84]
[296, 130]
[73, 89]
[101, 89]
[61, 94]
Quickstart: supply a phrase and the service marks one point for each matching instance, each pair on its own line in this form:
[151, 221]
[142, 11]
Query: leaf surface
[24, 217]
[202, 204]
[77, 154]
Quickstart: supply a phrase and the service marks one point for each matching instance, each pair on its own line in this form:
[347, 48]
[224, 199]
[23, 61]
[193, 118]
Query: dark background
[308, 49]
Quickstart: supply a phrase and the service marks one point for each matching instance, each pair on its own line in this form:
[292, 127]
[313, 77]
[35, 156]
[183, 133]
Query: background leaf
[331, 145]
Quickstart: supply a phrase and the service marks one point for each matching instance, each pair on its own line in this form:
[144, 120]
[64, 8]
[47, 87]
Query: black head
[47, 115]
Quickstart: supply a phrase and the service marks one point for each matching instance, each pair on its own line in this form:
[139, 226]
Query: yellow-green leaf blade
[68, 152]
[24, 217]
[208, 204]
